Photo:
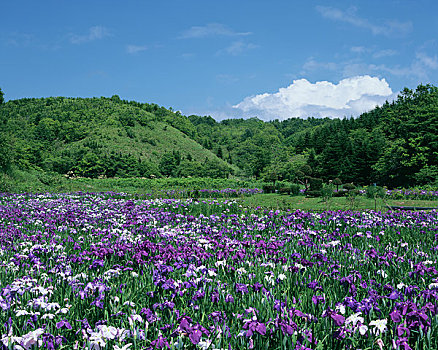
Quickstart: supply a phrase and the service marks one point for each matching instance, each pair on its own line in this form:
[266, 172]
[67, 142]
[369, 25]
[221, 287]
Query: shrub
[311, 193]
[315, 184]
[327, 192]
[375, 192]
[349, 186]
[337, 182]
[294, 189]
[340, 193]
[284, 190]
[268, 189]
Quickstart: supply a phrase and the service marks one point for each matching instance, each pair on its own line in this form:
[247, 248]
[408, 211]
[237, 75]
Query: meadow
[108, 271]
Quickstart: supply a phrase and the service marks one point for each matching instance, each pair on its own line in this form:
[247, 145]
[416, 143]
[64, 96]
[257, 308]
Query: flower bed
[94, 271]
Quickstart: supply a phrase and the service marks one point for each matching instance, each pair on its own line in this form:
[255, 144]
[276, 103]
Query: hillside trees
[393, 145]
[6, 149]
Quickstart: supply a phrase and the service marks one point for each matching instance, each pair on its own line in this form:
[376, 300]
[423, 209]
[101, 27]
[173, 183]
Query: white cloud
[133, 49]
[350, 97]
[188, 55]
[358, 49]
[375, 53]
[237, 48]
[226, 78]
[384, 53]
[94, 33]
[311, 65]
[209, 30]
[426, 60]
[391, 27]
[420, 68]
[18, 39]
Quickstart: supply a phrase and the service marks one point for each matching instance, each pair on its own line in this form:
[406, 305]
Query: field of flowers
[412, 194]
[103, 271]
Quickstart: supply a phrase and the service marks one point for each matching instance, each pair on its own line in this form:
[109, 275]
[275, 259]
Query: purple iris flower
[195, 336]
[318, 299]
[338, 319]
[240, 287]
[229, 299]
[401, 329]
[63, 323]
[185, 325]
[261, 329]
[257, 286]
[395, 316]
[160, 343]
[215, 296]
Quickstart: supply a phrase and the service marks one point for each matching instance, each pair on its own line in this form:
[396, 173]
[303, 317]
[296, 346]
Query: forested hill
[393, 145]
[95, 137]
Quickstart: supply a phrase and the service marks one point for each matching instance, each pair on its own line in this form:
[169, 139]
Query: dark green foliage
[316, 184]
[337, 182]
[427, 175]
[2, 97]
[284, 190]
[315, 187]
[289, 188]
[268, 188]
[349, 187]
[294, 189]
[6, 152]
[169, 163]
[375, 192]
[313, 194]
[340, 193]
[219, 153]
[6, 146]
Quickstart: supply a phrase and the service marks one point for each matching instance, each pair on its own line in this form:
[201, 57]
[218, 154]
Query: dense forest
[394, 145]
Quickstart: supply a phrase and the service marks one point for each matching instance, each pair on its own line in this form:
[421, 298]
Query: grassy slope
[148, 142]
[101, 121]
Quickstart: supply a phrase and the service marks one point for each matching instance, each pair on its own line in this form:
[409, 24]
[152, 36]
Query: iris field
[106, 271]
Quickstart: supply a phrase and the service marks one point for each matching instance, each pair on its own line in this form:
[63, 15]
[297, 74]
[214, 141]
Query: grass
[37, 181]
[17, 181]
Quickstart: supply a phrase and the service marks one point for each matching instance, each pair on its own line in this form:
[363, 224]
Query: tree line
[393, 145]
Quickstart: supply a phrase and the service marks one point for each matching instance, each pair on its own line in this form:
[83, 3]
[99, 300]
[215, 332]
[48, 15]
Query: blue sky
[270, 59]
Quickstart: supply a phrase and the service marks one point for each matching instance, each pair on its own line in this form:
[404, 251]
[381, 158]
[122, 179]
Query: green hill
[105, 137]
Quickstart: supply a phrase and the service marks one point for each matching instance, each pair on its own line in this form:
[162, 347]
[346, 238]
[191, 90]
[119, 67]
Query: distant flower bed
[412, 194]
[210, 193]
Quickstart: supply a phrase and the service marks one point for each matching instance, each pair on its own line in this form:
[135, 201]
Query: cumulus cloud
[211, 29]
[133, 49]
[388, 28]
[94, 33]
[350, 97]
